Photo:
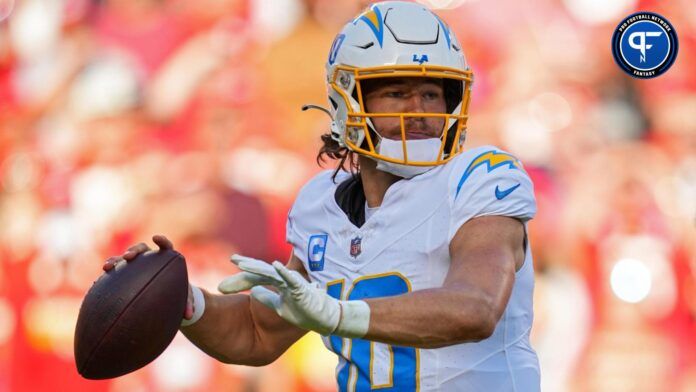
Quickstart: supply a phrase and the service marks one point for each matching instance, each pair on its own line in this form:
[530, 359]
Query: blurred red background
[120, 119]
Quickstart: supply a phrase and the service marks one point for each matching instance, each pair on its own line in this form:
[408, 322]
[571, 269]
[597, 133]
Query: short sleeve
[490, 182]
[293, 236]
[307, 214]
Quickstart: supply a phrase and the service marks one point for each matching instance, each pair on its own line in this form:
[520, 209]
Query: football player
[410, 259]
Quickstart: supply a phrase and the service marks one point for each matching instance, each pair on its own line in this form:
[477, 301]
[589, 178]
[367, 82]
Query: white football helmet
[397, 39]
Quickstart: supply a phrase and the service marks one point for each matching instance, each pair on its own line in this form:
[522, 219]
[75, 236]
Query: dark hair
[347, 159]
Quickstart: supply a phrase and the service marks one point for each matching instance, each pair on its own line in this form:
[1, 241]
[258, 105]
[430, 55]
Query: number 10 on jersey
[363, 361]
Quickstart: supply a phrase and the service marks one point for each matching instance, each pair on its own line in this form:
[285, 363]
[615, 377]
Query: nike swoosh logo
[500, 195]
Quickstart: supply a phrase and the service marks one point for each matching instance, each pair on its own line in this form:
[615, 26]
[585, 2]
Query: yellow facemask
[357, 136]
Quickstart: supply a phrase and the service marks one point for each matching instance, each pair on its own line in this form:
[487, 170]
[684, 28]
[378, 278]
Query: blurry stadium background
[120, 119]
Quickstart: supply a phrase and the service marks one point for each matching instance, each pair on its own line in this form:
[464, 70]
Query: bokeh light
[106, 87]
[8, 321]
[35, 27]
[524, 135]
[443, 4]
[551, 110]
[45, 275]
[49, 324]
[6, 7]
[277, 18]
[181, 367]
[599, 11]
[631, 280]
[20, 171]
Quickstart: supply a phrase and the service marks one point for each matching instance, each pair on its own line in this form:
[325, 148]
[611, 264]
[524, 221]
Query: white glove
[300, 302]
[254, 273]
[308, 306]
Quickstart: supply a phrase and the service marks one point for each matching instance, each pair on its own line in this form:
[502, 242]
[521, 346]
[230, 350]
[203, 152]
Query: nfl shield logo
[355, 247]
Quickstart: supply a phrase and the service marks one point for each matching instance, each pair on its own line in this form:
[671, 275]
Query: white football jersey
[404, 247]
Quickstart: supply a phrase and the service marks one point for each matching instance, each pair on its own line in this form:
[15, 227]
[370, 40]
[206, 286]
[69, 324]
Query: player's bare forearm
[485, 254]
[235, 329]
[432, 318]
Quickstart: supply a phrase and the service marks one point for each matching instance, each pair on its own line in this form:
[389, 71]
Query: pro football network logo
[645, 45]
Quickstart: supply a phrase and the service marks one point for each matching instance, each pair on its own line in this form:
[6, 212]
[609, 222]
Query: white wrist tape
[355, 319]
[198, 307]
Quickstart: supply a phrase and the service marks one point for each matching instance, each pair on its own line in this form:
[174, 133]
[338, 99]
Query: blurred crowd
[120, 119]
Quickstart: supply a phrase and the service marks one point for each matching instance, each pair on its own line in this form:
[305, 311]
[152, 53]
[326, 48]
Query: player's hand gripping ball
[131, 313]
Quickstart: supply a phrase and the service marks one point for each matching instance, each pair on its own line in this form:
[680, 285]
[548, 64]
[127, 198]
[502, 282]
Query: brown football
[130, 315]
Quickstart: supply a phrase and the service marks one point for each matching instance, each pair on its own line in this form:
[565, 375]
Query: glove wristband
[198, 307]
[354, 320]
